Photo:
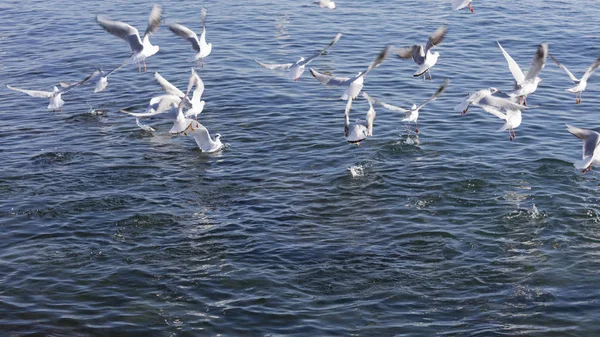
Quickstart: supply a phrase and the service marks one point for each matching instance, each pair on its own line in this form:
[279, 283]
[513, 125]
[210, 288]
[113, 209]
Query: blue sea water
[109, 230]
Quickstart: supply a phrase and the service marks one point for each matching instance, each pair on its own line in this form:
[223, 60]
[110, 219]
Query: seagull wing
[153, 20]
[371, 114]
[394, 108]
[347, 115]
[186, 33]
[573, 78]
[438, 92]
[514, 68]
[436, 37]
[167, 86]
[201, 136]
[273, 66]
[33, 93]
[591, 70]
[329, 80]
[123, 31]
[498, 103]
[590, 139]
[406, 52]
[459, 4]
[539, 61]
[376, 62]
[197, 81]
[308, 60]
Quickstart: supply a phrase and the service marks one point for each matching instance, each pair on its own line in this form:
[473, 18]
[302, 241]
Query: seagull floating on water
[591, 155]
[361, 129]
[354, 84]
[460, 4]
[201, 48]
[424, 58]
[502, 108]
[580, 84]
[141, 48]
[326, 4]
[526, 84]
[295, 70]
[412, 114]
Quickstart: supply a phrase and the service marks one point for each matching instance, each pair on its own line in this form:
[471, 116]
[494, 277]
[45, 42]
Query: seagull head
[413, 107]
[331, 5]
[217, 136]
[538, 80]
[493, 90]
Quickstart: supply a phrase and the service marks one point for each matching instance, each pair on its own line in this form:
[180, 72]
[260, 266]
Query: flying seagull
[591, 155]
[526, 84]
[353, 84]
[201, 48]
[295, 70]
[55, 95]
[412, 114]
[141, 48]
[100, 77]
[580, 84]
[423, 57]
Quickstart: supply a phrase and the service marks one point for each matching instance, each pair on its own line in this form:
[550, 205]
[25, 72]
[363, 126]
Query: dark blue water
[108, 230]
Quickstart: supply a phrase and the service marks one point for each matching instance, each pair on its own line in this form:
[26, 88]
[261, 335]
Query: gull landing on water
[526, 84]
[502, 108]
[591, 155]
[412, 114]
[201, 48]
[141, 48]
[295, 70]
[424, 58]
[359, 130]
[55, 95]
[460, 4]
[201, 136]
[354, 84]
[580, 84]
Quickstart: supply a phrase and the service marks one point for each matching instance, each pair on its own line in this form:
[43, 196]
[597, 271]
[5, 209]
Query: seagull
[295, 70]
[197, 105]
[141, 48]
[502, 108]
[201, 48]
[55, 95]
[591, 155]
[526, 84]
[359, 130]
[100, 77]
[201, 136]
[354, 84]
[412, 114]
[580, 84]
[326, 4]
[460, 4]
[424, 58]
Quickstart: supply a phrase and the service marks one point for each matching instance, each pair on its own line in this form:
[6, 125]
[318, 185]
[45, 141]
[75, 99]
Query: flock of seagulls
[183, 108]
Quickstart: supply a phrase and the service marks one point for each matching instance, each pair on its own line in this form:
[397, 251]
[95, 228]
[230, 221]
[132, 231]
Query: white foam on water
[356, 171]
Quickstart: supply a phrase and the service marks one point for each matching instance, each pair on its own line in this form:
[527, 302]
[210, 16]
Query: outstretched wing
[573, 78]
[273, 66]
[376, 62]
[167, 86]
[32, 93]
[371, 114]
[591, 70]
[153, 20]
[436, 37]
[124, 31]
[308, 60]
[514, 68]
[438, 92]
[539, 61]
[186, 33]
[590, 139]
[329, 80]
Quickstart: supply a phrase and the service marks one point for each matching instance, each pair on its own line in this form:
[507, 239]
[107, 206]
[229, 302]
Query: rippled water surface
[110, 230]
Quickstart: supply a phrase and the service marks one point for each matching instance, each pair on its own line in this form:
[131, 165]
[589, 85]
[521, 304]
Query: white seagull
[141, 48]
[100, 77]
[526, 84]
[361, 129]
[591, 155]
[296, 69]
[424, 58]
[412, 114]
[502, 108]
[197, 105]
[55, 95]
[354, 84]
[460, 4]
[201, 136]
[201, 48]
[580, 84]
[326, 4]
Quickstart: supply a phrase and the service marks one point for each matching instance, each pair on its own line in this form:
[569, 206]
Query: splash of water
[356, 171]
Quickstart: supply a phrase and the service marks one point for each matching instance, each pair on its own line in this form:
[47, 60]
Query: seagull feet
[416, 130]
[465, 111]
[144, 66]
[471, 8]
[202, 63]
[586, 170]
[577, 100]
